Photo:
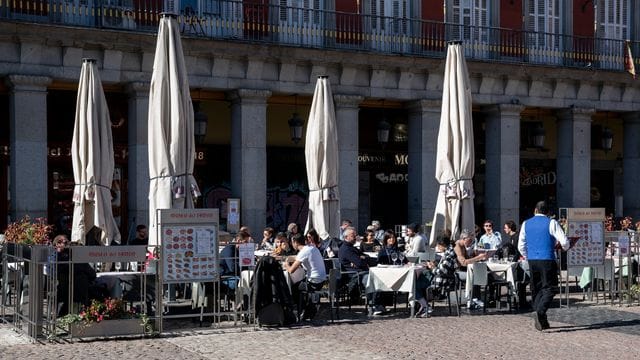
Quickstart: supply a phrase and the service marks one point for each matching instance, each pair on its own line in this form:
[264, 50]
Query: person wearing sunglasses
[490, 239]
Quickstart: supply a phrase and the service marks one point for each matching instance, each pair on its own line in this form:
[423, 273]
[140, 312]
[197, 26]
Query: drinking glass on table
[394, 257]
[401, 258]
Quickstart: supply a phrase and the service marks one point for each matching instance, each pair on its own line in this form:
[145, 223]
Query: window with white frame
[473, 16]
[543, 18]
[613, 19]
[390, 15]
[300, 11]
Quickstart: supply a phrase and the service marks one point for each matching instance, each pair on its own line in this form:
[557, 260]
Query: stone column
[631, 165]
[138, 160]
[347, 121]
[574, 157]
[249, 156]
[424, 122]
[28, 145]
[502, 178]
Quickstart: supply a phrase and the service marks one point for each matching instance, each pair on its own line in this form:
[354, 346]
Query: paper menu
[188, 254]
[589, 250]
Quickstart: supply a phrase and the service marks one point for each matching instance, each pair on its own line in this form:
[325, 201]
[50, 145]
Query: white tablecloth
[478, 274]
[394, 278]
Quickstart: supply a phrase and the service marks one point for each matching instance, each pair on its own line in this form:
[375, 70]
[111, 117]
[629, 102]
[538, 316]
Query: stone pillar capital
[138, 88]
[255, 96]
[347, 101]
[504, 110]
[28, 82]
[426, 105]
[576, 114]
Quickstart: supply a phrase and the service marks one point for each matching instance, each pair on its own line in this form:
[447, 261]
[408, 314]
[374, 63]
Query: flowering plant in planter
[29, 233]
[109, 309]
[98, 312]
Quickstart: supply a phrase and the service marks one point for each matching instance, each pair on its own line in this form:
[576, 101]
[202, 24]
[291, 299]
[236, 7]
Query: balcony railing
[258, 21]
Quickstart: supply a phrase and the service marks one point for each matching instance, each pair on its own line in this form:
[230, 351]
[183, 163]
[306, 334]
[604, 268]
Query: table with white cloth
[479, 274]
[396, 278]
[113, 280]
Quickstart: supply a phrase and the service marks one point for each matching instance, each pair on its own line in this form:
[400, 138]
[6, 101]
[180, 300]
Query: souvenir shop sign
[189, 243]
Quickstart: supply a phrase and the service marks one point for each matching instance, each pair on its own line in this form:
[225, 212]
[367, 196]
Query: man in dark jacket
[354, 263]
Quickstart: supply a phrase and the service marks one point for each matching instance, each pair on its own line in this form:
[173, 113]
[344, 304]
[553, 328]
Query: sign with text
[246, 255]
[233, 215]
[587, 225]
[94, 254]
[189, 243]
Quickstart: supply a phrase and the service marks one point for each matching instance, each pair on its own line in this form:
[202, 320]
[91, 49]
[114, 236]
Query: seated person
[330, 247]
[369, 244]
[490, 239]
[355, 263]
[84, 276]
[268, 240]
[464, 258]
[313, 238]
[229, 259]
[385, 255]
[444, 270]
[142, 236]
[417, 242]
[311, 261]
[282, 247]
[351, 258]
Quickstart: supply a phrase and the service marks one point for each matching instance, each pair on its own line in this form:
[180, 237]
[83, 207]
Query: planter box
[108, 328]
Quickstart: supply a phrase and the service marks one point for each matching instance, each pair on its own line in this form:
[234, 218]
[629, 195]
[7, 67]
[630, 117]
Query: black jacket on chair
[270, 293]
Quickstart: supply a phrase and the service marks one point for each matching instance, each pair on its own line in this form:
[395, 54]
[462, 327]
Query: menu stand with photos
[188, 253]
[584, 227]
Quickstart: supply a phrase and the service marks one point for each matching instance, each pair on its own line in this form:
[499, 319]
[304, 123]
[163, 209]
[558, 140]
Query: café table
[479, 274]
[398, 278]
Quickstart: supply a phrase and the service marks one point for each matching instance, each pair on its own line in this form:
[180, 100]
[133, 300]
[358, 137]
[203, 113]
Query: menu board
[587, 225]
[188, 253]
[189, 242]
[589, 250]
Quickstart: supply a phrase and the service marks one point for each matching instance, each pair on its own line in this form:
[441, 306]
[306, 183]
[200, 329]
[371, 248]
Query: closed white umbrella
[170, 127]
[92, 159]
[321, 156]
[455, 154]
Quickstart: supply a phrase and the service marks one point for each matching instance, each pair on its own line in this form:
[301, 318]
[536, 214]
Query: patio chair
[454, 285]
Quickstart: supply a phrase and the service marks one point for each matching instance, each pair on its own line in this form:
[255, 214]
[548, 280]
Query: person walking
[537, 242]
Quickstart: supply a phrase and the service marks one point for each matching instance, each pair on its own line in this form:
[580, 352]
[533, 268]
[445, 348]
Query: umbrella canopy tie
[177, 186]
[455, 189]
[328, 193]
[90, 192]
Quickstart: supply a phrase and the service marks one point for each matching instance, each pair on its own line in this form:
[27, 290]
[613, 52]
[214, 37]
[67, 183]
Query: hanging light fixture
[383, 132]
[295, 124]
[200, 120]
[538, 136]
[607, 139]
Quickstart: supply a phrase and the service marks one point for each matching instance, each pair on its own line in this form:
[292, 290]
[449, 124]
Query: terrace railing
[257, 21]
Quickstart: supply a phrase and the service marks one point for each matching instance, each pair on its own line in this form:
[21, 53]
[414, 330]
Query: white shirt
[554, 229]
[494, 240]
[313, 264]
[417, 243]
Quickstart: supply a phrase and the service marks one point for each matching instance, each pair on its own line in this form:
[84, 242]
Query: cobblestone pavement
[580, 332]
